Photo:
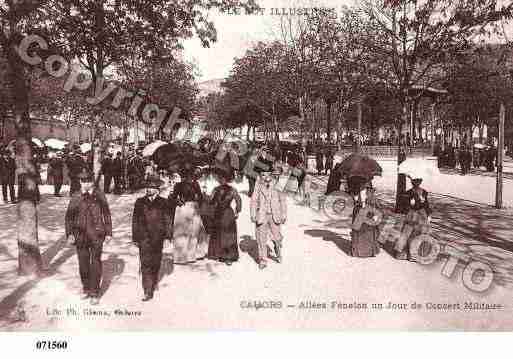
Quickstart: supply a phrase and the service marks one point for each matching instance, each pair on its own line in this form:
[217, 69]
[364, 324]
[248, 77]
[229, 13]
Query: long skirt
[416, 223]
[364, 242]
[190, 240]
[223, 244]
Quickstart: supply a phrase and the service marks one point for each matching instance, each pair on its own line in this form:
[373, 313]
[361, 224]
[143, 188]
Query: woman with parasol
[359, 171]
[223, 245]
[365, 220]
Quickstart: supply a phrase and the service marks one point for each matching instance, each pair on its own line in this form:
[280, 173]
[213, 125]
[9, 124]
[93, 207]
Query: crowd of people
[465, 157]
[200, 224]
[200, 212]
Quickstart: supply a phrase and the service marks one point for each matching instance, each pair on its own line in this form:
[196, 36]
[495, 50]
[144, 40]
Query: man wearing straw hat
[151, 226]
[88, 226]
[268, 208]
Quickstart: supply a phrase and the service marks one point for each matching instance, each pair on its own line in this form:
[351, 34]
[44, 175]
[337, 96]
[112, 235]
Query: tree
[96, 33]
[15, 17]
[345, 68]
[260, 82]
[422, 35]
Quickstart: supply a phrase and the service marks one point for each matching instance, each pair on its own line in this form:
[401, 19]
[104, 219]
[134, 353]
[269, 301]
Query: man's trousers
[150, 255]
[90, 265]
[263, 232]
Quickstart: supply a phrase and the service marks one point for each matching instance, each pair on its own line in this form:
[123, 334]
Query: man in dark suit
[76, 165]
[329, 159]
[8, 175]
[117, 173]
[56, 170]
[106, 171]
[88, 225]
[151, 226]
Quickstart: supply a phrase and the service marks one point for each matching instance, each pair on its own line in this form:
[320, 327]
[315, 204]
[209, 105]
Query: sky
[237, 32]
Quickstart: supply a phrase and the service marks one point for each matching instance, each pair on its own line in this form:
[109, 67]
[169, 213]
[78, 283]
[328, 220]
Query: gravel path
[337, 291]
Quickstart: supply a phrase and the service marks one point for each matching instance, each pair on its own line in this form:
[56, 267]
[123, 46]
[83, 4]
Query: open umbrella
[55, 143]
[359, 165]
[150, 149]
[85, 147]
[415, 168]
[37, 142]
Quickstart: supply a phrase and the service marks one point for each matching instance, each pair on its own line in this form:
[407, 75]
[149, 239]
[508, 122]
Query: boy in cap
[88, 226]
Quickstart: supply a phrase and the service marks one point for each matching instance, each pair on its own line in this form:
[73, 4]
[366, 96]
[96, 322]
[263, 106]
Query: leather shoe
[147, 297]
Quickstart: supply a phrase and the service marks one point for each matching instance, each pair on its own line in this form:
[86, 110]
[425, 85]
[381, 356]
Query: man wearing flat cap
[268, 208]
[151, 226]
[88, 226]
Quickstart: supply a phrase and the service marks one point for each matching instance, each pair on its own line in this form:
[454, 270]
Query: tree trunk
[328, 120]
[29, 255]
[359, 119]
[401, 179]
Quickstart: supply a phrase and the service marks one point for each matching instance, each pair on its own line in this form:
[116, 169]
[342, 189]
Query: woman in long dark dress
[364, 231]
[223, 244]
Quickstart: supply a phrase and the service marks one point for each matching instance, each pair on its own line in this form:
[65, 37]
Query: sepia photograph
[255, 165]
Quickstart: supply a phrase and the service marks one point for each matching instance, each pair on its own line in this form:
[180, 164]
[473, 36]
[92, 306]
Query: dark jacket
[319, 159]
[329, 158]
[151, 220]
[56, 168]
[88, 216]
[414, 200]
[7, 170]
[106, 168]
[75, 165]
[186, 192]
[117, 167]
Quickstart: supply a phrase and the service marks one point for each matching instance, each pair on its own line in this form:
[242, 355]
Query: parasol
[85, 147]
[415, 168]
[37, 142]
[150, 149]
[358, 165]
[55, 143]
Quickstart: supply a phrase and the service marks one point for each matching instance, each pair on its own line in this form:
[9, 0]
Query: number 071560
[50, 345]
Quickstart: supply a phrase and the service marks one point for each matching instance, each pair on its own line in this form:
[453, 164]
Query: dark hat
[154, 182]
[224, 171]
[263, 165]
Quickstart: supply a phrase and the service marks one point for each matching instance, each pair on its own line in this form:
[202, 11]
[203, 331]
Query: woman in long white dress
[190, 240]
